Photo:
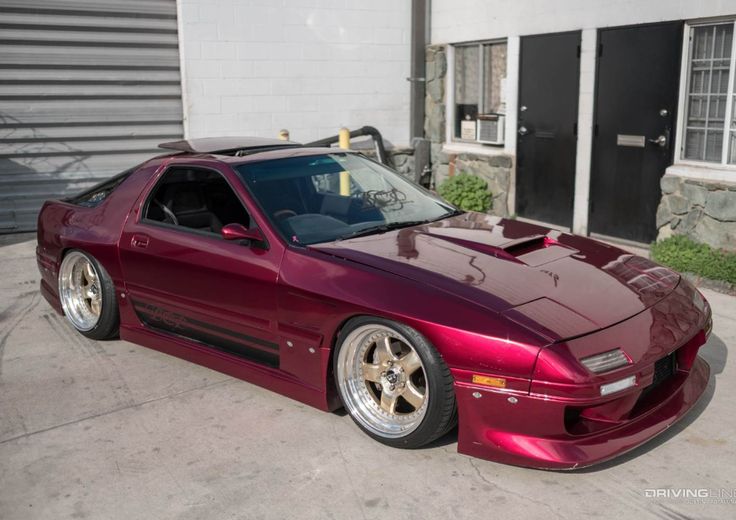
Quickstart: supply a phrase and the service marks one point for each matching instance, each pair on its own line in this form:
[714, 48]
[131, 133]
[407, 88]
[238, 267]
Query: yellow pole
[344, 142]
[284, 135]
[344, 137]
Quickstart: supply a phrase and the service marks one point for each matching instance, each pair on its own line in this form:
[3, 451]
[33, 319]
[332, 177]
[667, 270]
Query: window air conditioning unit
[490, 128]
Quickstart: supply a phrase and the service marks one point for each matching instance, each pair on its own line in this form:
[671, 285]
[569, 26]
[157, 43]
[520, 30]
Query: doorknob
[139, 241]
[661, 141]
[523, 130]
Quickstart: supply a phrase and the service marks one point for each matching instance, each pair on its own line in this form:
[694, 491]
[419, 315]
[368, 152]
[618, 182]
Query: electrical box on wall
[490, 128]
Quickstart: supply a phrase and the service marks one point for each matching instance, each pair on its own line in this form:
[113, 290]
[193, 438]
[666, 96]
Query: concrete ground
[113, 430]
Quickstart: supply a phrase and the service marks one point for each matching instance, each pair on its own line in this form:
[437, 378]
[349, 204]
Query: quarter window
[710, 125]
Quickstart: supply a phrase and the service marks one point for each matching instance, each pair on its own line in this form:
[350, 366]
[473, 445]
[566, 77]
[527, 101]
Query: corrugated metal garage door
[88, 88]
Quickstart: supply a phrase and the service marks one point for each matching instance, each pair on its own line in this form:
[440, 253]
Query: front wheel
[88, 296]
[393, 383]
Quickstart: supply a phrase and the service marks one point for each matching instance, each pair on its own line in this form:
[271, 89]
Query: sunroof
[226, 145]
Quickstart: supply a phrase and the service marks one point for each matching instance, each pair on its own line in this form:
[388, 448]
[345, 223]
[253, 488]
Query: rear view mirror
[240, 232]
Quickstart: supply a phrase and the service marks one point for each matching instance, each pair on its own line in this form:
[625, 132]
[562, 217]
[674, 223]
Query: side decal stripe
[152, 309]
[175, 323]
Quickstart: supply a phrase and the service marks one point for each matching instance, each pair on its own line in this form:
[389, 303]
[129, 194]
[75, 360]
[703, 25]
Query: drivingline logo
[695, 495]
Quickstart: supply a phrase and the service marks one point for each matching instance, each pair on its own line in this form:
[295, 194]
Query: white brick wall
[253, 67]
[466, 20]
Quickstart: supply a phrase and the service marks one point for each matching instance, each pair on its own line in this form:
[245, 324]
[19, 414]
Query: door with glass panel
[637, 86]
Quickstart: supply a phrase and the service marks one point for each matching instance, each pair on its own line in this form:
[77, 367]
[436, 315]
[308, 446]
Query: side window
[195, 199]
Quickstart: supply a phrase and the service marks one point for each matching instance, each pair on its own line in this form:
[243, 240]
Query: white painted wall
[586, 106]
[456, 21]
[253, 67]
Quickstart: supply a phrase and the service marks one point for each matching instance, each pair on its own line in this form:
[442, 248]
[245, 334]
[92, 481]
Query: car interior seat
[186, 201]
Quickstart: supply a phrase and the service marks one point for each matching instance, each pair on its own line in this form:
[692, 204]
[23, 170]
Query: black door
[548, 115]
[636, 99]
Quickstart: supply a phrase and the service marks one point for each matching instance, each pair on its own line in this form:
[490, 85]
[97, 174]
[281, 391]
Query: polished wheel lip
[80, 291]
[358, 381]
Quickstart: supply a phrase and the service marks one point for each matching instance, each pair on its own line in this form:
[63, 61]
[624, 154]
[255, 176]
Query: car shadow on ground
[715, 353]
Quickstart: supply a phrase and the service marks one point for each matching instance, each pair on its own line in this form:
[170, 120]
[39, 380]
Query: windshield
[321, 198]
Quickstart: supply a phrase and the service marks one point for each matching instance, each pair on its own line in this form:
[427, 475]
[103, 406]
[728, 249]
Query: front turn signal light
[496, 382]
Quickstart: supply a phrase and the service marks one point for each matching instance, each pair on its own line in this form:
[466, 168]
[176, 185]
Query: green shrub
[467, 192]
[683, 254]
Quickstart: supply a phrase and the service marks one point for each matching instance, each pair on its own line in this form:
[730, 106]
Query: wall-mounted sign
[467, 130]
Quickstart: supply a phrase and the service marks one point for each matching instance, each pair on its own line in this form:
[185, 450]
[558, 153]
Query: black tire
[441, 411]
[108, 324]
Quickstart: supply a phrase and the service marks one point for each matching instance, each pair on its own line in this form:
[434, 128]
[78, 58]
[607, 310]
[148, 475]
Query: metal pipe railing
[365, 130]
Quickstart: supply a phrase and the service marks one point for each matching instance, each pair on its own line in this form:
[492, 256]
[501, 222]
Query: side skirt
[212, 336]
[238, 367]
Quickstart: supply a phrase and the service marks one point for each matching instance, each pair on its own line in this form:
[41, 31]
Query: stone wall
[434, 102]
[703, 210]
[494, 169]
[399, 159]
[434, 106]
[402, 160]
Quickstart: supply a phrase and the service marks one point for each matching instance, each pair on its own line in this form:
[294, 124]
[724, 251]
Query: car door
[185, 279]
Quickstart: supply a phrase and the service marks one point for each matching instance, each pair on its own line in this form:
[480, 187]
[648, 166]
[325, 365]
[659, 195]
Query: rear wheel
[393, 383]
[88, 296]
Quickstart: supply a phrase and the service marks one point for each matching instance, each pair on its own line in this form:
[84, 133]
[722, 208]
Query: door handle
[139, 241]
[659, 141]
[523, 130]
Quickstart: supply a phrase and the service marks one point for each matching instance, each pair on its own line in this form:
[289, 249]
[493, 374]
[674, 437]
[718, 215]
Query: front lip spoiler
[483, 433]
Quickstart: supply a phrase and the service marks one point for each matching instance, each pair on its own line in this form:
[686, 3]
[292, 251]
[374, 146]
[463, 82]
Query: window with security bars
[710, 125]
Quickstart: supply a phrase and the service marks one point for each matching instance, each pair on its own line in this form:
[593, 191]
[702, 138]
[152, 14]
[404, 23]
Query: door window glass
[195, 199]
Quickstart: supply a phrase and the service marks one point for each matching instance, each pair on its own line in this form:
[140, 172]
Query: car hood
[555, 284]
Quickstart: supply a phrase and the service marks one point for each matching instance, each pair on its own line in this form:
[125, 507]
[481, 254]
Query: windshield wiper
[382, 228]
[451, 213]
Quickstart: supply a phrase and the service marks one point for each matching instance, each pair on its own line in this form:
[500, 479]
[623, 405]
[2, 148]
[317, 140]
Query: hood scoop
[521, 245]
[533, 250]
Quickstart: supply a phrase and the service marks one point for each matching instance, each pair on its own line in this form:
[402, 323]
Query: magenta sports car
[325, 276]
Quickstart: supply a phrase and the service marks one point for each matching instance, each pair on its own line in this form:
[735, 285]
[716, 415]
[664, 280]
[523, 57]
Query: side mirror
[240, 232]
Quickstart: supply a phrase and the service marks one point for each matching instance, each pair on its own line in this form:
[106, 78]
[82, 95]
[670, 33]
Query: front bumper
[492, 428]
[561, 420]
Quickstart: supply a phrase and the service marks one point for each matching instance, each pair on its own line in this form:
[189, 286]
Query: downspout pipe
[420, 14]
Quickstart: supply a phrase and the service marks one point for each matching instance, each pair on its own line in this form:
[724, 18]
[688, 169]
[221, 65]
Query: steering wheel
[284, 213]
[168, 214]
